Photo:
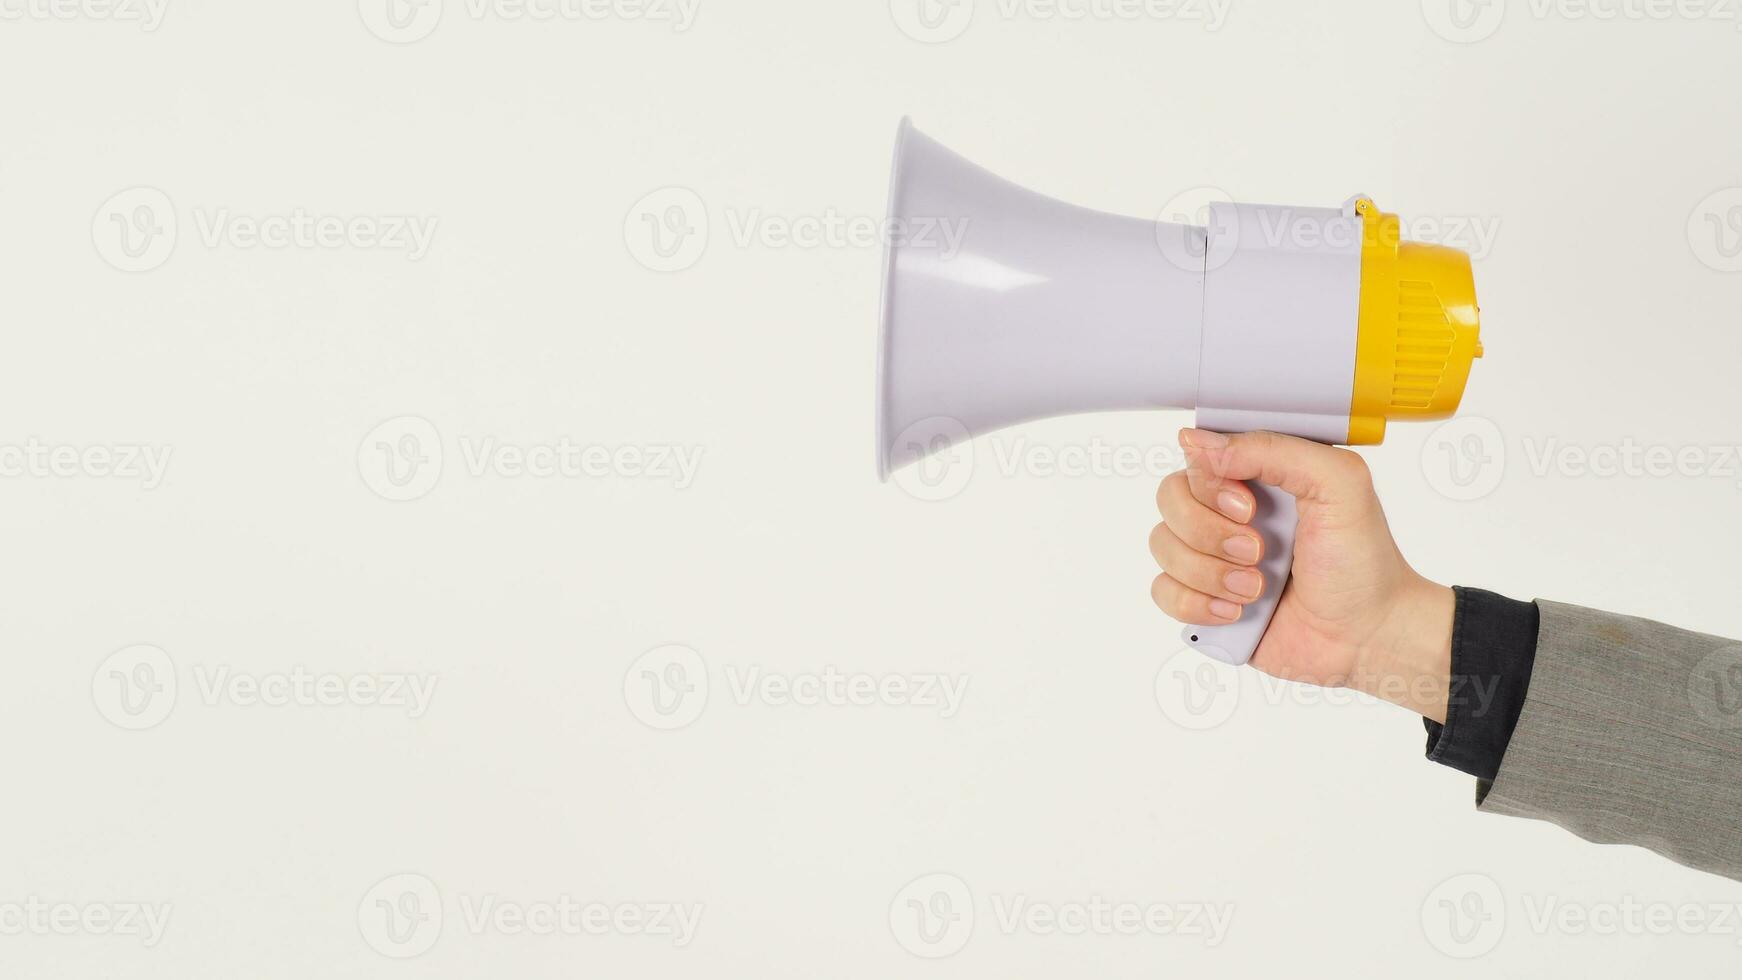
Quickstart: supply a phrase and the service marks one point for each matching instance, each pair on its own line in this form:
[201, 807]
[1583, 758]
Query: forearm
[1631, 735]
[1618, 729]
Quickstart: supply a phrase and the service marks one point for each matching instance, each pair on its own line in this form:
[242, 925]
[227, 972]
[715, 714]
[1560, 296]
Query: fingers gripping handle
[1274, 520]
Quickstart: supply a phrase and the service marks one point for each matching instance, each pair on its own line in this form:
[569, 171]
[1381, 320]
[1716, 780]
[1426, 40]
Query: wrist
[1408, 660]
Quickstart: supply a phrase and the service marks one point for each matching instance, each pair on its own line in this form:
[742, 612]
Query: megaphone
[1315, 322]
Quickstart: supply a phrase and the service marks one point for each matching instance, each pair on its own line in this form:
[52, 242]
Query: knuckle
[1170, 596]
[1352, 466]
[1208, 578]
[1198, 579]
[1195, 570]
[1161, 491]
[1197, 527]
[1158, 536]
[1172, 493]
[1209, 466]
[1261, 441]
[1160, 592]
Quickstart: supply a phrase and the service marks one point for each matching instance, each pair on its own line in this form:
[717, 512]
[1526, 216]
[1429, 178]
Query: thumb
[1300, 467]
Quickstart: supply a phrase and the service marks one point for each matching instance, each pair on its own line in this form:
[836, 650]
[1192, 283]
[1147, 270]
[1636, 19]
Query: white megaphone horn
[1315, 322]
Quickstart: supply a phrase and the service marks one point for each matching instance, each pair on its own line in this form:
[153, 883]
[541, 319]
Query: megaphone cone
[1001, 306]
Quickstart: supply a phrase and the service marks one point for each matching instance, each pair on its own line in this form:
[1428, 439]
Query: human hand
[1354, 614]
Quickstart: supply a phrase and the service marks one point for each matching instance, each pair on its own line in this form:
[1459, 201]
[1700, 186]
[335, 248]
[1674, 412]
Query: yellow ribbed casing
[1419, 328]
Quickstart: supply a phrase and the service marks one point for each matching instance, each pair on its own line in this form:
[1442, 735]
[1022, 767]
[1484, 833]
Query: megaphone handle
[1274, 520]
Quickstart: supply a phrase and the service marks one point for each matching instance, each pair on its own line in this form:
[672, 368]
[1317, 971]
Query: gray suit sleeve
[1631, 733]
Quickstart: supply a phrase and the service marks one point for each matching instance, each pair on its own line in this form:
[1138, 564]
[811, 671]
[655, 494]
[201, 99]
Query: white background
[1589, 145]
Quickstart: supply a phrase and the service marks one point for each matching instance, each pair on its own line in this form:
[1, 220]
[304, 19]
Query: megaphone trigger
[1274, 519]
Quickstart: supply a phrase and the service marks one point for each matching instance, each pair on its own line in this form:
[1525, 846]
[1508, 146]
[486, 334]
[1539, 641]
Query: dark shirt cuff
[1493, 651]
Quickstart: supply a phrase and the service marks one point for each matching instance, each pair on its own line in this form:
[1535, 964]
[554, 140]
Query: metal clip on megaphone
[1315, 322]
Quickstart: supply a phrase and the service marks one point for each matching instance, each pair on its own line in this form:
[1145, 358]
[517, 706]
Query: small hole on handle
[1194, 637]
